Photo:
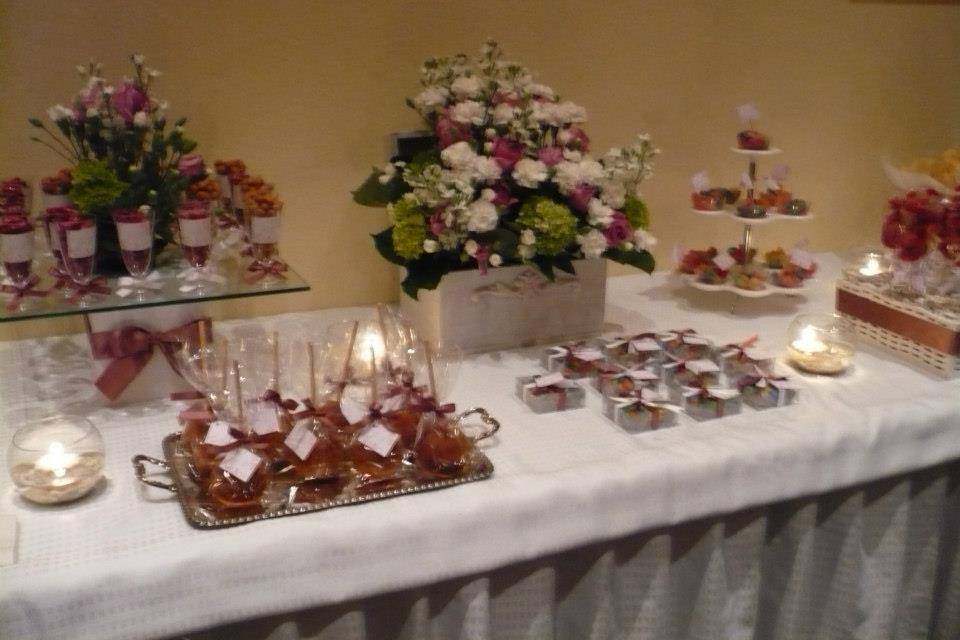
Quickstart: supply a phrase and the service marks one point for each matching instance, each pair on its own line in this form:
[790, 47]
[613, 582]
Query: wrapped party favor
[613, 379]
[761, 390]
[641, 350]
[685, 344]
[574, 360]
[643, 410]
[741, 359]
[679, 373]
[550, 392]
[707, 403]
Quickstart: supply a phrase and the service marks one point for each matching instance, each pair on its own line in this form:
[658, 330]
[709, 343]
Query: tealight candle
[56, 460]
[869, 267]
[820, 344]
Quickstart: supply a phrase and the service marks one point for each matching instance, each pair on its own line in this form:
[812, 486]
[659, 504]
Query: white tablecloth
[124, 564]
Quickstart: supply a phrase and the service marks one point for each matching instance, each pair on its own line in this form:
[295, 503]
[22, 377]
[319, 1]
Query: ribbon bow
[703, 392]
[259, 270]
[271, 395]
[97, 285]
[651, 400]
[739, 350]
[61, 278]
[19, 293]
[130, 349]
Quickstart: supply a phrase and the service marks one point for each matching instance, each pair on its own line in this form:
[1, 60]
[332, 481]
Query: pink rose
[127, 101]
[619, 230]
[574, 138]
[550, 156]
[437, 225]
[580, 197]
[450, 132]
[506, 152]
[501, 195]
[191, 165]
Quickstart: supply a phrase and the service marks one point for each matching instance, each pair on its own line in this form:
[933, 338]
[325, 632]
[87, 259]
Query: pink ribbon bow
[131, 348]
[97, 285]
[259, 270]
[19, 293]
[61, 278]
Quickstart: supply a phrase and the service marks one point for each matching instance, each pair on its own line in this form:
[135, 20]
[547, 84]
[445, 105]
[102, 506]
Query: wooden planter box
[511, 307]
[928, 338]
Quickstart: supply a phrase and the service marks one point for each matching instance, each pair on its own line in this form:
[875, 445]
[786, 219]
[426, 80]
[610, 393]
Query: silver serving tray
[279, 498]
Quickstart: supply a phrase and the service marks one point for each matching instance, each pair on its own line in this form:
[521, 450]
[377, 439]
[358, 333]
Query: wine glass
[79, 237]
[135, 229]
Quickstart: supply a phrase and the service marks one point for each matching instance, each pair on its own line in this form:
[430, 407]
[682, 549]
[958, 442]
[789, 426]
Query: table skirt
[876, 561]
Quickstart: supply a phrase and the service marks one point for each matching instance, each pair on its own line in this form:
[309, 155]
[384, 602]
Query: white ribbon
[195, 279]
[153, 281]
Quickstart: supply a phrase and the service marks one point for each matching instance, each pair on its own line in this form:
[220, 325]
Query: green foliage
[636, 212]
[642, 260]
[374, 194]
[553, 223]
[409, 229]
[95, 187]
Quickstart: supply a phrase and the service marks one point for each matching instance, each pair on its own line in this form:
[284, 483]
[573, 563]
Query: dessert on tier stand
[741, 269]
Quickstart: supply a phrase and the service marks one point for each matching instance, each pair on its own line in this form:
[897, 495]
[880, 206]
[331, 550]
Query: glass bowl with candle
[57, 459]
[820, 343]
[871, 267]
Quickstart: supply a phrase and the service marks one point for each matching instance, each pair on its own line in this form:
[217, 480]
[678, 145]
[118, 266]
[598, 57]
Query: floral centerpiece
[122, 151]
[507, 180]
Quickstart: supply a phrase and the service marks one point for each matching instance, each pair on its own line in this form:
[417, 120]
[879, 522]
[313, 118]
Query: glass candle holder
[872, 266]
[56, 460]
[820, 343]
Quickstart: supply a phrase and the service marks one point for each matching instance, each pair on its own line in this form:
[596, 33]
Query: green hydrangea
[409, 228]
[95, 186]
[636, 212]
[553, 224]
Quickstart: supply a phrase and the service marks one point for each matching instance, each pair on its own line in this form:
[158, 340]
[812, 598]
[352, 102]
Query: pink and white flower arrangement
[509, 180]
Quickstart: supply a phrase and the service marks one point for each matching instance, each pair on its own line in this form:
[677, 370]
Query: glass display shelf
[167, 290]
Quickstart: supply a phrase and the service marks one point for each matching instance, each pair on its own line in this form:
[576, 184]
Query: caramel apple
[230, 496]
[371, 476]
[443, 450]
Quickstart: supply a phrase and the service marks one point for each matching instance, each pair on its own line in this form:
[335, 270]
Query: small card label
[642, 374]
[263, 418]
[353, 410]
[696, 340]
[195, 232]
[588, 355]
[135, 236]
[16, 247]
[218, 434]
[378, 439]
[241, 464]
[81, 243]
[265, 229]
[723, 394]
[724, 262]
[653, 395]
[391, 403]
[644, 344]
[702, 366]
[301, 441]
[549, 379]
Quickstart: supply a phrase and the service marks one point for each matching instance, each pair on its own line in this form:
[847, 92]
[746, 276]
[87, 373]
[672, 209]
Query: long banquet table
[838, 517]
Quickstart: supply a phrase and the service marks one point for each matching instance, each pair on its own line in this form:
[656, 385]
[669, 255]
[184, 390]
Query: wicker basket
[929, 338]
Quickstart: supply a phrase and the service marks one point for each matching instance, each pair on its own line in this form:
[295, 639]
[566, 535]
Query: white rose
[488, 194]
[613, 193]
[572, 155]
[568, 112]
[488, 169]
[593, 244]
[598, 213]
[566, 176]
[546, 113]
[527, 237]
[541, 91]
[431, 99]
[495, 260]
[529, 173]
[59, 112]
[526, 251]
[140, 120]
[466, 87]
[459, 156]
[431, 246]
[469, 112]
[482, 216]
[488, 146]
[471, 247]
[644, 239]
[503, 113]
[389, 171]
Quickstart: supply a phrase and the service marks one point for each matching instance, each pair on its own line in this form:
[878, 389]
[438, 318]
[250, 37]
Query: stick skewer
[428, 354]
[346, 360]
[236, 381]
[275, 343]
[312, 357]
[373, 375]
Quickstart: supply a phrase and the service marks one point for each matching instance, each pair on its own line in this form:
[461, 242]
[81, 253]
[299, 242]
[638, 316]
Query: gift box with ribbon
[574, 360]
[641, 349]
[614, 379]
[685, 344]
[762, 390]
[742, 359]
[706, 403]
[678, 373]
[550, 392]
[643, 410]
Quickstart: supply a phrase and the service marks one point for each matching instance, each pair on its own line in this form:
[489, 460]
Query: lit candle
[808, 342]
[871, 266]
[57, 461]
[819, 344]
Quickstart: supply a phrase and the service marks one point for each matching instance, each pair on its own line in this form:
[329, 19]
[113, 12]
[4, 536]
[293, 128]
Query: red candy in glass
[135, 233]
[79, 237]
[196, 234]
[264, 235]
[51, 219]
[16, 245]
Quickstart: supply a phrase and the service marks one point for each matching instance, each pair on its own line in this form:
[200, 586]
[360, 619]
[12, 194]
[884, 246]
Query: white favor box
[510, 307]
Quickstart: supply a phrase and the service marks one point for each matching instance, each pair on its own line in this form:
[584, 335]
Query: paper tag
[135, 236]
[802, 258]
[723, 394]
[702, 366]
[696, 340]
[642, 374]
[218, 434]
[378, 439]
[16, 247]
[353, 410]
[724, 261]
[81, 243]
[263, 418]
[588, 355]
[747, 113]
[644, 344]
[301, 441]
[391, 403]
[549, 379]
[653, 395]
[265, 229]
[195, 232]
[241, 464]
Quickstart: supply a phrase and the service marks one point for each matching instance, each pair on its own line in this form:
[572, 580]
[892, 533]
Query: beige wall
[307, 91]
